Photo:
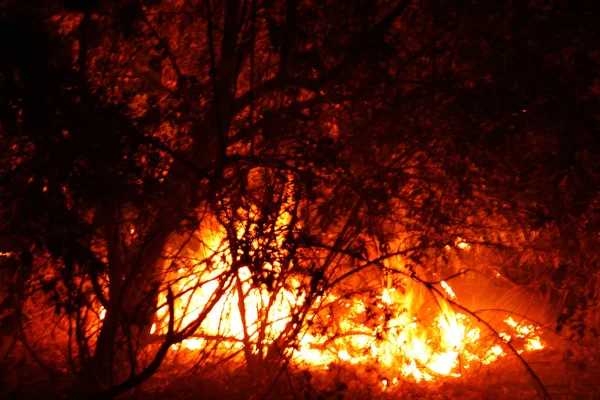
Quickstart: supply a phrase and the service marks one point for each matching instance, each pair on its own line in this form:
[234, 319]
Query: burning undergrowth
[391, 331]
[378, 326]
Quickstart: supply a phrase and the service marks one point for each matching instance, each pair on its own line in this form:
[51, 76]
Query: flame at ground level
[391, 328]
[444, 345]
[383, 330]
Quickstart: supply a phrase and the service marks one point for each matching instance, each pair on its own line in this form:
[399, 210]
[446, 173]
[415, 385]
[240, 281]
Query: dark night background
[384, 128]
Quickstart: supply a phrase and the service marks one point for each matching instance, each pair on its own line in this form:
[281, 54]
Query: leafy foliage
[320, 140]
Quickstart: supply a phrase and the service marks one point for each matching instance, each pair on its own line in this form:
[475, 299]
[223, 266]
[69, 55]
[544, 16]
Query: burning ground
[270, 199]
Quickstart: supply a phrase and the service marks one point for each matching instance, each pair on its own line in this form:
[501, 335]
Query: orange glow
[448, 289]
[400, 334]
[528, 333]
[462, 245]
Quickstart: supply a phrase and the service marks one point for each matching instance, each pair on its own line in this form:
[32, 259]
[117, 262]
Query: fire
[528, 334]
[448, 289]
[446, 346]
[394, 330]
[403, 342]
[245, 310]
[462, 245]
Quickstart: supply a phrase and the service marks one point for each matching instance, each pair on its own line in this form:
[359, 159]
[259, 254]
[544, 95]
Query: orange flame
[399, 338]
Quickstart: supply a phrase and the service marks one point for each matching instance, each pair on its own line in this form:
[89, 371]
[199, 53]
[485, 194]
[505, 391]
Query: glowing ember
[493, 354]
[448, 289]
[462, 245]
[528, 334]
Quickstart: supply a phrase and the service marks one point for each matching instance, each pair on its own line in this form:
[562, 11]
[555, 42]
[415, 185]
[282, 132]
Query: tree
[280, 151]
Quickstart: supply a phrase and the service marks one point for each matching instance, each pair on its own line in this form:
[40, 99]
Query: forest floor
[567, 373]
